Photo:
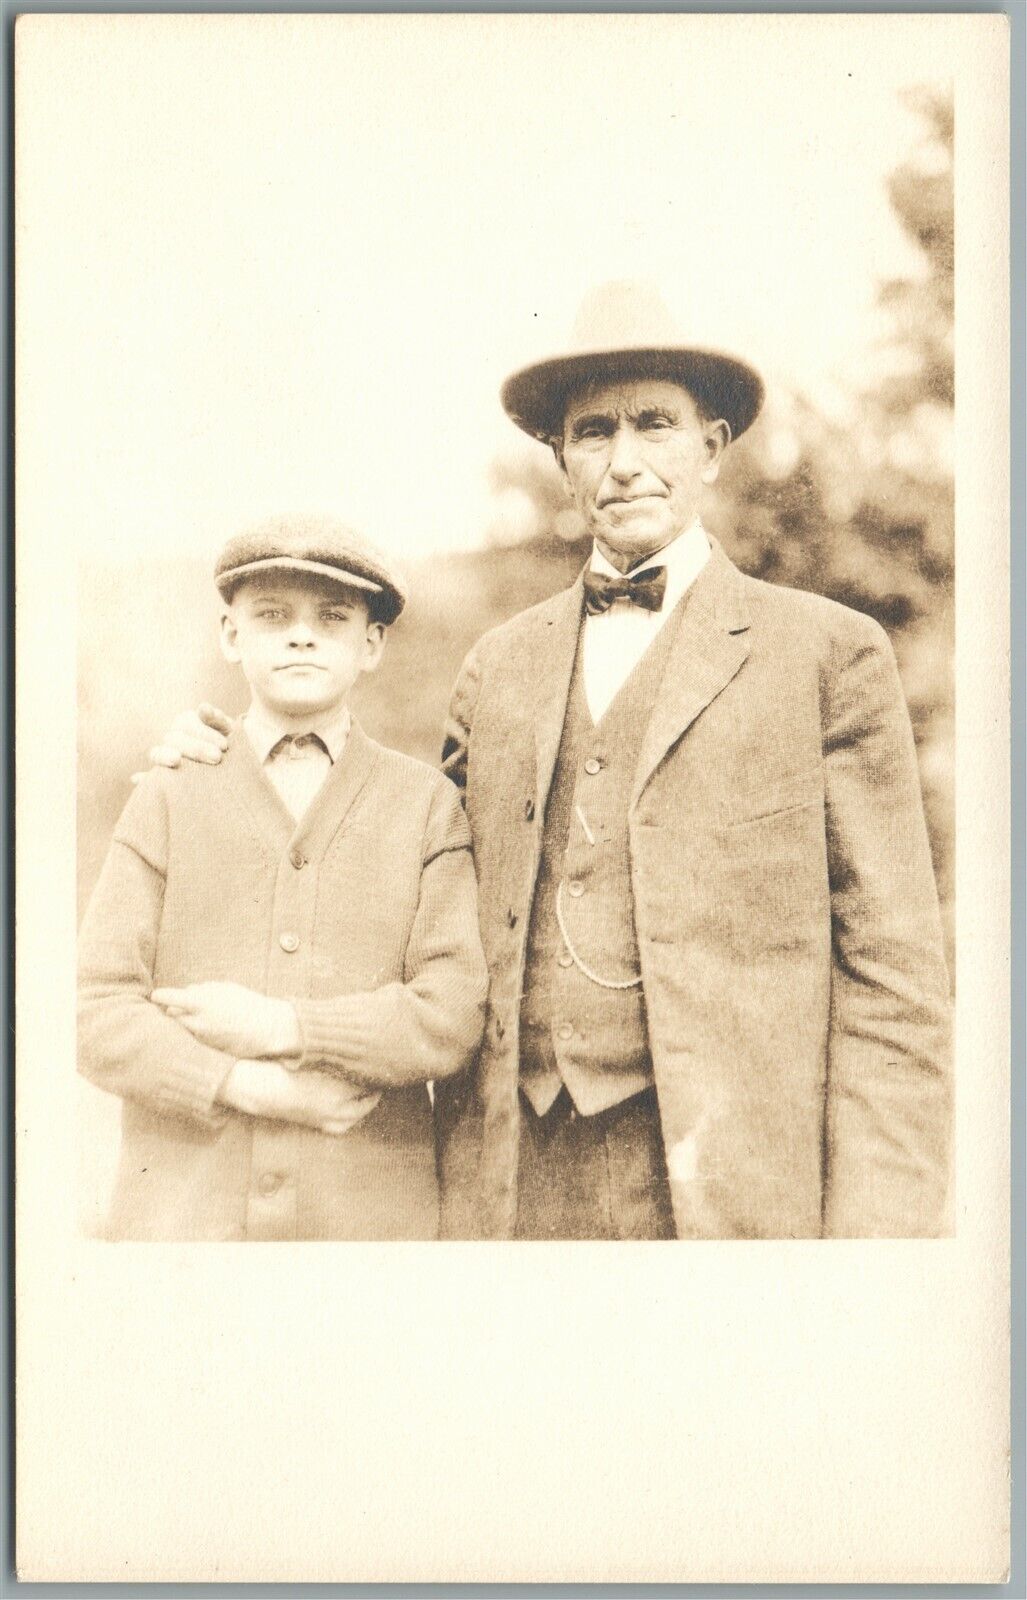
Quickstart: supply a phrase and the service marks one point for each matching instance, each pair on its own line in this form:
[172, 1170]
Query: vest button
[289, 942]
[576, 889]
[565, 959]
[565, 1031]
[269, 1182]
[593, 765]
[297, 858]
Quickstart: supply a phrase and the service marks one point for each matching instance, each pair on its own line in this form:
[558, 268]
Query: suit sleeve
[458, 723]
[888, 1070]
[429, 1026]
[126, 1044]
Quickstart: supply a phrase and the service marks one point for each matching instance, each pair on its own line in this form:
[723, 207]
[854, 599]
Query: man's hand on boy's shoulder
[200, 735]
[232, 1018]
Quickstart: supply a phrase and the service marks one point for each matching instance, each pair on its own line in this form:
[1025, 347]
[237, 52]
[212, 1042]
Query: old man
[719, 1004]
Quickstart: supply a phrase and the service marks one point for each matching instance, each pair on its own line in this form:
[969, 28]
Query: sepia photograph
[683, 970]
[504, 476]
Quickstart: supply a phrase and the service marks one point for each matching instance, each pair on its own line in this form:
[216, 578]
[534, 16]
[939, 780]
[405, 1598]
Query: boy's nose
[300, 634]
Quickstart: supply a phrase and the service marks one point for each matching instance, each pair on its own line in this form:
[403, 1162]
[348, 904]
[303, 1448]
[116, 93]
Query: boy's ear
[229, 637]
[376, 635]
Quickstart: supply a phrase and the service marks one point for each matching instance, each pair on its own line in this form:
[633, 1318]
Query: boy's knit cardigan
[364, 914]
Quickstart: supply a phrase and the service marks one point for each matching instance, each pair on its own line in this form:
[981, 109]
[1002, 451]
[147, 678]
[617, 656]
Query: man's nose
[624, 453]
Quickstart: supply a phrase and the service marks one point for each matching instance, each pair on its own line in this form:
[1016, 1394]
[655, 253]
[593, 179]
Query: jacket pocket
[773, 798]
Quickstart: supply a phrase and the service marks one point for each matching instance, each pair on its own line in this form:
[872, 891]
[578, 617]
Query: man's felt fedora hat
[624, 330]
[319, 545]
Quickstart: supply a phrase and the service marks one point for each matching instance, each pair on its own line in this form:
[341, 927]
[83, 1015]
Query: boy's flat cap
[313, 544]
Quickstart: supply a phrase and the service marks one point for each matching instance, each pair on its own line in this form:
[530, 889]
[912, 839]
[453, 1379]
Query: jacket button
[511, 917]
[565, 958]
[529, 810]
[289, 942]
[297, 858]
[500, 1027]
[592, 766]
[576, 889]
[269, 1182]
[565, 1031]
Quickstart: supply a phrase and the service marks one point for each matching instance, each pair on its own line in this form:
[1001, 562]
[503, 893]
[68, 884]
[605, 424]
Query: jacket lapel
[552, 662]
[711, 644]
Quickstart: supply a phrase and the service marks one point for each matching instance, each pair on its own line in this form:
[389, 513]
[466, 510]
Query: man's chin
[638, 536]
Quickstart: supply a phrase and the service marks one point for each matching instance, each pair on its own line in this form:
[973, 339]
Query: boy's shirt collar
[264, 730]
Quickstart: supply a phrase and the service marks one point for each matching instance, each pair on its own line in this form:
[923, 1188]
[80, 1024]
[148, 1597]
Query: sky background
[299, 255]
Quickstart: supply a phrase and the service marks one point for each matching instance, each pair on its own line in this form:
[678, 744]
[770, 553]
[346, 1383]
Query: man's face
[302, 641]
[636, 456]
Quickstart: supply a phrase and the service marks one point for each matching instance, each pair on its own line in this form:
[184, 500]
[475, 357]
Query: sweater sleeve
[889, 1086]
[126, 1044]
[429, 1026]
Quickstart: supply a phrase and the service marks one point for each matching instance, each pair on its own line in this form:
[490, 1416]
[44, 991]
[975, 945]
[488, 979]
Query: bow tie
[645, 589]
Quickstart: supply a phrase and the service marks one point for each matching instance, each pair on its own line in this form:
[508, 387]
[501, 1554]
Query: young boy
[282, 950]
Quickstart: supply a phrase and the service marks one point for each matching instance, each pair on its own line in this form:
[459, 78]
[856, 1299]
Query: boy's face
[301, 640]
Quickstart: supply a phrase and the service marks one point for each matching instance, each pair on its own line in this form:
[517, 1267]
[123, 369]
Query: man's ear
[229, 637]
[376, 636]
[718, 437]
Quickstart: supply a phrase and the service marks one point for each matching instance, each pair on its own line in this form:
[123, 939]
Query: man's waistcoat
[583, 1011]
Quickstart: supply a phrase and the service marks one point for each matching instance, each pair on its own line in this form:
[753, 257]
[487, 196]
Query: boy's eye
[270, 614]
[335, 616]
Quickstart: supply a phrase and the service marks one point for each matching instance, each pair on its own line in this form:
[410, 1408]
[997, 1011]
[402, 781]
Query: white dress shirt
[617, 639]
[297, 760]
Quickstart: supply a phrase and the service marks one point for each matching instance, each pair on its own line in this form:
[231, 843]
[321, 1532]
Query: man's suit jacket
[785, 907]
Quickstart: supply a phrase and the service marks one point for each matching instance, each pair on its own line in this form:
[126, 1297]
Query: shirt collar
[684, 559]
[264, 730]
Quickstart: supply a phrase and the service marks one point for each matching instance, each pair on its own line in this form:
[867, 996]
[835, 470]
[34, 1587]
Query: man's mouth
[629, 500]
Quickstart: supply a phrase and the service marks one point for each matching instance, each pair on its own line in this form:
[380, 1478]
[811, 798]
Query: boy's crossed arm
[134, 1047]
[259, 1030]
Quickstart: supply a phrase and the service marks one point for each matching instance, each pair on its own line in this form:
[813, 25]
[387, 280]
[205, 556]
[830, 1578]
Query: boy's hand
[230, 1017]
[310, 1098]
[200, 735]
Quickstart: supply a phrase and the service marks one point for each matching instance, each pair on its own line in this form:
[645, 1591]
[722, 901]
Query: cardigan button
[511, 918]
[565, 1031]
[593, 765]
[298, 859]
[290, 942]
[576, 888]
[269, 1182]
[529, 810]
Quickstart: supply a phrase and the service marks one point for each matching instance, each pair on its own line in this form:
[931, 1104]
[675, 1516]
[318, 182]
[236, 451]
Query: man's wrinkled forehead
[628, 398]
